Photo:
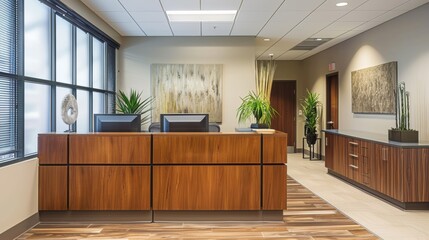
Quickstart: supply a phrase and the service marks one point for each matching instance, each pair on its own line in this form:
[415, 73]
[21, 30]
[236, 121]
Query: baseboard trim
[21, 227]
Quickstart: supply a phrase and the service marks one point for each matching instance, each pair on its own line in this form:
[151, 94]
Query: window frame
[58, 9]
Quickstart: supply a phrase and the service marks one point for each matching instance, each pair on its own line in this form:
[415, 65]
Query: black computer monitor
[184, 122]
[117, 123]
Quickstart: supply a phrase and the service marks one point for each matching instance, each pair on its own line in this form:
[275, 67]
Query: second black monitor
[182, 122]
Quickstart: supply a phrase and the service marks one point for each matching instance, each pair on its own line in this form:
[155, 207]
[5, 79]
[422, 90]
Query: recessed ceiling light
[319, 39]
[267, 39]
[342, 4]
[202, 16]
[271, 54]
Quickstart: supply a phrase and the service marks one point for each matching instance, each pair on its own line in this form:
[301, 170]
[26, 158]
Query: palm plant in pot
[309, 108]
[134, 104]
[258, 107]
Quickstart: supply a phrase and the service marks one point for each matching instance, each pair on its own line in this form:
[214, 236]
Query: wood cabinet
[53, 188]
[274, 148]
[109, 188]
[202, 148]
[395, 172]
[110, 149]
[206, 187]
[273, 186]
[52, 154]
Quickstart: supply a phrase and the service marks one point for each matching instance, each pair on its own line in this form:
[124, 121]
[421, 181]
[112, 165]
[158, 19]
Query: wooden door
[283, 99]
[332, 101]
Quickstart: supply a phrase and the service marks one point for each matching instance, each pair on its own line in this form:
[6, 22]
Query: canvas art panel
[187, 88]
[374, 89]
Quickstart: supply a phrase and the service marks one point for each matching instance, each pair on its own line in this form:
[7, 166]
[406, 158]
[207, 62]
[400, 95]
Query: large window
[47, 52]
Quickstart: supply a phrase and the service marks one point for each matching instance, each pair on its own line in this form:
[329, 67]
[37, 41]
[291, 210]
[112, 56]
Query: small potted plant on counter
[256, 106]
[402, 132]
[134, 104]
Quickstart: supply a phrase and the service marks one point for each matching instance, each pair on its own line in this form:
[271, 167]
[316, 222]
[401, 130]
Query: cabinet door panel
[274, 148]
[52, 187]
[416, 179]
[274, 187]
[329, 150]
[206, 187]
[109, 188]
[52, 148]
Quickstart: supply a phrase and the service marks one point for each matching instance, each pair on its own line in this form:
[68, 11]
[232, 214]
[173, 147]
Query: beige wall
[237, 55]
[89, 15]
[404, 39]
[18, 188]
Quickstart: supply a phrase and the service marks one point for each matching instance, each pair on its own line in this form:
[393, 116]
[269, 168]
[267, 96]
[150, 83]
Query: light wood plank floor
[308, 217]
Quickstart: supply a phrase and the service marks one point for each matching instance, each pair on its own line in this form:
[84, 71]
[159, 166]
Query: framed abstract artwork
[374, 89]
[187, 88]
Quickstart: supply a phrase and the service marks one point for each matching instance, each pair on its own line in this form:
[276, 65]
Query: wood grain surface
[274, 187]
[52, 148]
[274, 148]
[206, 187]
[109, 188]
[110, 149]
[206, 148]
[416, 171]
[52, 187]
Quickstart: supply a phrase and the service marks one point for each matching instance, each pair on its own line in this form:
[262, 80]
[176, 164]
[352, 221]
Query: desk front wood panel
[206, 187]
[191, 148]
[274, 148]
[110, 149]
[109, 188]
[52, 187]
[274, 187]
[52, 148]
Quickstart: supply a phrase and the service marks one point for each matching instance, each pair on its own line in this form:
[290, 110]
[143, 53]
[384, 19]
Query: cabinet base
[394, 202]
[158, 216]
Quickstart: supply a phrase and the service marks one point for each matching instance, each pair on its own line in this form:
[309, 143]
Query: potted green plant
[309, 108]
[402, 132]
[258, 107]
[134, 104]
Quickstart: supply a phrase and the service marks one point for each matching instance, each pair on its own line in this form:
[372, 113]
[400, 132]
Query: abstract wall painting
[187, 88]
[374, 89]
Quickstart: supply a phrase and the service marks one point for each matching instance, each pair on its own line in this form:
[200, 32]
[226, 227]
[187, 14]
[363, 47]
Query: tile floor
[383, 219]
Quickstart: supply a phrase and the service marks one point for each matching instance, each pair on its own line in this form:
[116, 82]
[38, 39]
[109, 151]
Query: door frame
[328, 97]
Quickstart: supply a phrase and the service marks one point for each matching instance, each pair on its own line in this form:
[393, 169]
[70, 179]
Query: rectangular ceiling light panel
[202, 16]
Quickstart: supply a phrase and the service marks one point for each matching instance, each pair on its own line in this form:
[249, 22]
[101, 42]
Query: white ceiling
[285, 22]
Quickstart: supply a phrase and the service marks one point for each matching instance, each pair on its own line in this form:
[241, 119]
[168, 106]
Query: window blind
[8, 60]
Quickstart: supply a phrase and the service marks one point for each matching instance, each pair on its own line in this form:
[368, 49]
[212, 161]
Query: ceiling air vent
[310, 43]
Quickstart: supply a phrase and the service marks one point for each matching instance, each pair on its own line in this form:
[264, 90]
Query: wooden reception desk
[164, 173]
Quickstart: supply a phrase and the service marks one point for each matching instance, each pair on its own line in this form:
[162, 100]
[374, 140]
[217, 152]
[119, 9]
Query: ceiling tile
[276, 29]
[389, 15]
[173, 5]
[149, 16]
[216, 28]
[361, 16]
[253, 16]
[368, 25]
[186, 28]
[325, 16]
[260, 5]
[116, 16]
[381, 5]
[343, 25]
[328, 33]
[289, 16]
[246, 28]
[127, 28]
[139, 5]
[291, 54]
[300, 5]
[103, 5]
[220, 4]
[156, 29]
[330, 5]
[411, 4]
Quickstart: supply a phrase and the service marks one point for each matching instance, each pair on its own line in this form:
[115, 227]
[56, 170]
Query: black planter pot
[311, 138]
[258, 125]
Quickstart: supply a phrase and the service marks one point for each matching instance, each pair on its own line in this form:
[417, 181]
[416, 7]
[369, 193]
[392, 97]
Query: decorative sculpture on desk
[69, 110]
